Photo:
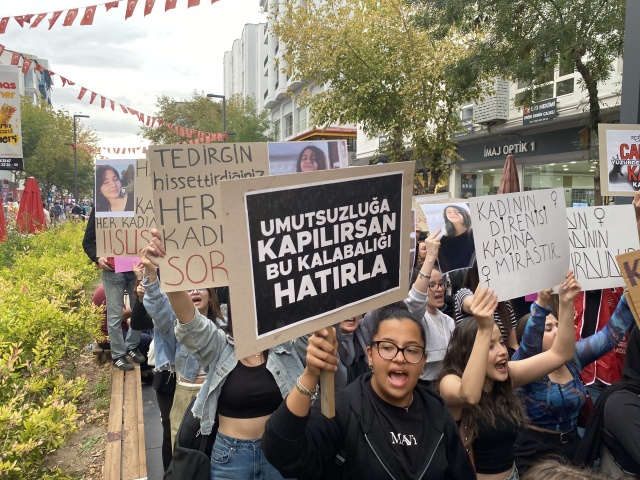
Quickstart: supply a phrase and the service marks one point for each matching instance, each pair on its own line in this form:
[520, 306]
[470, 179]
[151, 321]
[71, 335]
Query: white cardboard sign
[521, 241]
[597, 235]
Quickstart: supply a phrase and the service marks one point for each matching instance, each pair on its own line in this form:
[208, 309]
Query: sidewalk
[152, 433]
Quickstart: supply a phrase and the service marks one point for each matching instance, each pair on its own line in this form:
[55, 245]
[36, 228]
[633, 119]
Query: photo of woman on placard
[115, 195]
[311, 159]
[456, 246]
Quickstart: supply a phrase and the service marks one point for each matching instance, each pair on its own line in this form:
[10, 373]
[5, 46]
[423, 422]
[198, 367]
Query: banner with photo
[619, 159]
[125, 236]
[296, 157]
[185, 184]
[11, 157]
[315, 249]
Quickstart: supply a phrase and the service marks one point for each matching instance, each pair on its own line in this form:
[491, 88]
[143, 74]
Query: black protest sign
[318, 247]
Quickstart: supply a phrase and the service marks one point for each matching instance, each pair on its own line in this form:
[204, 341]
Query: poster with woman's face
[457, 250]
[115, 188]
[298, 157]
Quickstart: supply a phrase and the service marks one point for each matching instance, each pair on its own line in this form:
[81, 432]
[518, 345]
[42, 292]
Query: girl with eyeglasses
[477, 380]
[238, 395]
[386, 424]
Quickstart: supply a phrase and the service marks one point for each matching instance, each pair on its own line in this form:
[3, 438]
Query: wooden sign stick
[327, 387]
[629, 263]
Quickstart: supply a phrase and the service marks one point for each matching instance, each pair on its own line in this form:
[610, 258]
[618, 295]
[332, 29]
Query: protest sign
[629, 264]
[429, 198]
[293, 157]
[126, 236]
[619, 159]
[312, 250]
[596, 236]
[185, 182]
[115, 188]
[10, 119]
[521, 241]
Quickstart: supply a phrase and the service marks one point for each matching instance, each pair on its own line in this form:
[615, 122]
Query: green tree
[48, 151]
[528, 40]
[396, 80]
[201, 113]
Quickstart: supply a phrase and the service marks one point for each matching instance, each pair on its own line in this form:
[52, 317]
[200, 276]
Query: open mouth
[197, 300]
[398, 378]
[501, 367]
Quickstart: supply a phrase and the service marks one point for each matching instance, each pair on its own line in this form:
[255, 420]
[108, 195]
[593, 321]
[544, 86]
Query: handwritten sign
[619, 159]
[185, 183]
[313, 249]
[126, 236]
[521, 241]
[10, 119]
[597, 235]
[629, 264]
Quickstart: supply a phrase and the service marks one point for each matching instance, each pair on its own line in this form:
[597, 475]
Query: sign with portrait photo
[115, 188]
[296, 157]
[619, 159]
[521, 241]
[312, 250]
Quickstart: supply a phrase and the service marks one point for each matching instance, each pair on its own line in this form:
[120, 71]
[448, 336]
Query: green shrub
[46, 318]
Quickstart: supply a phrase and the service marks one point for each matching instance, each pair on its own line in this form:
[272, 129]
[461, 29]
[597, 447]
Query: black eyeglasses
[438, 286]
[388, 351]
[196, 290]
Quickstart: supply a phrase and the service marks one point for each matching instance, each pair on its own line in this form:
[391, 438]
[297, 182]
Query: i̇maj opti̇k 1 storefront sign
[10, 131]
[540, 112]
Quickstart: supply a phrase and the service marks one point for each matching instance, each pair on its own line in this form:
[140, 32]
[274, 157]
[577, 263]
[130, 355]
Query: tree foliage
[394, 79]
[47, 146]
[201, 113]
[527, 39]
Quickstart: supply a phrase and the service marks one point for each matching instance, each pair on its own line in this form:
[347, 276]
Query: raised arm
[531, 343]
[417, 299]
[458, 392]
[533, 368]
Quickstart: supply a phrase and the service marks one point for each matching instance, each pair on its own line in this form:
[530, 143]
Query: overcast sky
[133, 61]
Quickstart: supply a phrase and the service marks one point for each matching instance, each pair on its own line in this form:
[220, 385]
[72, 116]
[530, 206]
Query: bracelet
[305, 391]
[424, 275]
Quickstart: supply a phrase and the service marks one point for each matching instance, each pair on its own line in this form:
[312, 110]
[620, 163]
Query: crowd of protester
[448, 384]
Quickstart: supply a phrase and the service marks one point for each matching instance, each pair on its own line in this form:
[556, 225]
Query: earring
[371, 367]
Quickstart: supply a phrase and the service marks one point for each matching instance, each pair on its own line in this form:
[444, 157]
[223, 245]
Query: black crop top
[249, 392]
[493, 446]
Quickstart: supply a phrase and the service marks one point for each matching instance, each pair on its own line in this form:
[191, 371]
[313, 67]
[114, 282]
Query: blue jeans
[115, 284]
[233, 459]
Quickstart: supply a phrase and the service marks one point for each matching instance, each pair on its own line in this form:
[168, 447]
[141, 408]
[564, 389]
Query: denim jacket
[169, 353]
[214, 350]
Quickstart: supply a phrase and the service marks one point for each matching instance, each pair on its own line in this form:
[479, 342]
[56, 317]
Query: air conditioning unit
[495, 108]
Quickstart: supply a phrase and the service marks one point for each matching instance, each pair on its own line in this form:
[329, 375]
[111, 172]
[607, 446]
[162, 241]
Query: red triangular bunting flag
[87, 18]
[131, 6]
[38, 19]
[124, 109]
[176, 129]
[38, 68]
[15, 58]
[1, 49]
[25, 65]
[219, 137]
[181, 131]
[148, 120]
[54, 18]
[109, 6]
[51, 72]
[3, 24]
[82, 92]
[70, 18]
[113, 105]
[160, 121]
[189, 133]
[213, 1]
[93, 97]
[141, 117]
[116, 150]
[148, 6]
[64, 81]
[27, 18]
[132, 111]
[193, 3]
[70, 82]
[20, 20]
[170, 4]
[103, 101]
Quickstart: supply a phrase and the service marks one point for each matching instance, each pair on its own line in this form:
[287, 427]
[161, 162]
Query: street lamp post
[224, 113]
[75, 157]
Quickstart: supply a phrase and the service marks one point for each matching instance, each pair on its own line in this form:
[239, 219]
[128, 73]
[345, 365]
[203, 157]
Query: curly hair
[501, 402]
[448, 226]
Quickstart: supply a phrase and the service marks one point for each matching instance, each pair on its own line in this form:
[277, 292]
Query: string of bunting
[33, 20]
[194, 136]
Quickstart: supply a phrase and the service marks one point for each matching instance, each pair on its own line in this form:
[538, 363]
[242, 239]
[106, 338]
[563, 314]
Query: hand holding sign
[432, 245]
[569, 290]
[155, 251]
[484, 304]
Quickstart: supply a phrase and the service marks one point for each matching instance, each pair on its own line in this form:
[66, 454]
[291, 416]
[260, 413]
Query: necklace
[406, 409]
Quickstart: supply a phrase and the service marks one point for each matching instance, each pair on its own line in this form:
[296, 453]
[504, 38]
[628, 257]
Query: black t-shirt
[621, 427]
[402, 428]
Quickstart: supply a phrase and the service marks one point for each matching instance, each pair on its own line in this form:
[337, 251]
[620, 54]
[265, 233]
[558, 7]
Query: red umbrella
[3, 225]
[510, 182]
[30, 214]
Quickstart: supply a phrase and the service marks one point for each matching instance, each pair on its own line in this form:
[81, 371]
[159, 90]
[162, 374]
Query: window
[301, 113]
[276, 129]
[560, 82]
[288, 125]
